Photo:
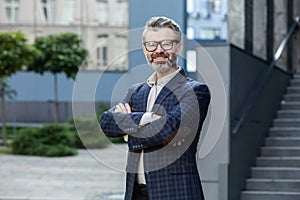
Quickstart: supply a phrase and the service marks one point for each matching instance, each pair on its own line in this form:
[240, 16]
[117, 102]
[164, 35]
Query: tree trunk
[56, 111]
[3, 112]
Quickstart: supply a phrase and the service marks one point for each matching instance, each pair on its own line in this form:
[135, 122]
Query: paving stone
[91, 174]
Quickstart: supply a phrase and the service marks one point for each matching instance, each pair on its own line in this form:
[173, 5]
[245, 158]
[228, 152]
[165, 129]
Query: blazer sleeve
[116, 124]
[188, 113]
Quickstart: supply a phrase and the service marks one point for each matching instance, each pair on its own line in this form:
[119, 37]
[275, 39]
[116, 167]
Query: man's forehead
[160, 32]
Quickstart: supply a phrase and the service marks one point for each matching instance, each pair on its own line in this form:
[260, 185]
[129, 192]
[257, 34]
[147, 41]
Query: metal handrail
[264, 78]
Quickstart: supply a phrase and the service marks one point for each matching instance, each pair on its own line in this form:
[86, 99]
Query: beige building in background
[102, 25]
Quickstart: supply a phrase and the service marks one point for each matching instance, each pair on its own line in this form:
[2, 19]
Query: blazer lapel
[170, 87]
[142, 98]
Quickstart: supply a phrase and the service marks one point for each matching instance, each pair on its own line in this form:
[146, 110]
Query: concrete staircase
[276, 175]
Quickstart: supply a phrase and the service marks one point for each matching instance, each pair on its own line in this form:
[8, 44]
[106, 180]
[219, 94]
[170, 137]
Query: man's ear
[179, 48]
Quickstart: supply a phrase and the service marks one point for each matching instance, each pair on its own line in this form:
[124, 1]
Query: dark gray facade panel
[246, 71]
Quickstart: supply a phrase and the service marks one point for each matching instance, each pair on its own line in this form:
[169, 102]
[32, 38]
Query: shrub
[50, 140]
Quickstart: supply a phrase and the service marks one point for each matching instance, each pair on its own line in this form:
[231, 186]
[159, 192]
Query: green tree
[15, 54]
[62, 53]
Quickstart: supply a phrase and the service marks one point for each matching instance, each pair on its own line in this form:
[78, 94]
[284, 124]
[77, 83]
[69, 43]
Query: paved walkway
[91, 175]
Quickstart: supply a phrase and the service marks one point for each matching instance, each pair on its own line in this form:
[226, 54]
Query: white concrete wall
[214, 167]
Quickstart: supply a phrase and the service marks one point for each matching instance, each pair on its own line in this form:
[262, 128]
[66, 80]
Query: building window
[191, 61]
[12, 10]
[190, 5]
[120, 53]
[49, 10]
[68, 12]
[210, 33]
[213, 6]
[102, 50]
[120, 13]
[102, 12]
[190, 33]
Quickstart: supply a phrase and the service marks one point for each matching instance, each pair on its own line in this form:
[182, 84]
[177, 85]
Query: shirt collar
[152, 80]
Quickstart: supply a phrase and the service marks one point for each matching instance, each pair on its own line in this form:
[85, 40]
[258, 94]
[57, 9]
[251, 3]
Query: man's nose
[159, 48]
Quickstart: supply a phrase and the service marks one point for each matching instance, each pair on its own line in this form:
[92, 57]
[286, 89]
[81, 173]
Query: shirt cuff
[146, 118]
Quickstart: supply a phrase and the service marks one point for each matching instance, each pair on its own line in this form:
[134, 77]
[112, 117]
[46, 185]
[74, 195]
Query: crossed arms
[187, 109]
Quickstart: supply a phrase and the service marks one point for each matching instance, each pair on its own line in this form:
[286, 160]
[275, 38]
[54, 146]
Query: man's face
[161, 49]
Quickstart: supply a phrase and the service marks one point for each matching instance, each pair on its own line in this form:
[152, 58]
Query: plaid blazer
[169, 143]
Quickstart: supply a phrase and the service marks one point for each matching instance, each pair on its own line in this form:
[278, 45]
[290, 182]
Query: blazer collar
[152, 80]
[172, 85]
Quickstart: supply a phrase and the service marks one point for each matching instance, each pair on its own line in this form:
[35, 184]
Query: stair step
[291, 105]
[276, 175]
[288, 113]
[295, 82]
[278, 161]
[283, 141]
[280, 151]
[292, 97]
[270, 195]
[276, 172]
[289, 122]
[287, 185]
[293, 89]
[286, 131]
[296, 76]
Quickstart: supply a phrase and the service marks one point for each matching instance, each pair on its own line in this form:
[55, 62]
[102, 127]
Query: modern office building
[206, 19]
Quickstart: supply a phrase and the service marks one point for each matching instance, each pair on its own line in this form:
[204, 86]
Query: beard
[163, 66]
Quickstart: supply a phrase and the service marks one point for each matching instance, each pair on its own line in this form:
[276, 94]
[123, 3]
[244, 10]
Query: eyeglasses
[164, 44]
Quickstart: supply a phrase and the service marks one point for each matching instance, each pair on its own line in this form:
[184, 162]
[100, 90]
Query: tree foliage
[62, 53]
[15, 53]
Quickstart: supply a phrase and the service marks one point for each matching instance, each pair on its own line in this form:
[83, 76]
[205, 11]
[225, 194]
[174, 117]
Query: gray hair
[154, 23]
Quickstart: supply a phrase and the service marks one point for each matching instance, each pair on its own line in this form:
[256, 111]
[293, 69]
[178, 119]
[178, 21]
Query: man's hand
[123, 108]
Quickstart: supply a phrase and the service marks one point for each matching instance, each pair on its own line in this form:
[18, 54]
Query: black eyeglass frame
[159, 43]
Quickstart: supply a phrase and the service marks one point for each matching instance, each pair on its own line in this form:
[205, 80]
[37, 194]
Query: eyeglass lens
[164, 44]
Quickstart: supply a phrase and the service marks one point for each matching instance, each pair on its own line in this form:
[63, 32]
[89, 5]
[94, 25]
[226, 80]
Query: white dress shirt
[156, 86]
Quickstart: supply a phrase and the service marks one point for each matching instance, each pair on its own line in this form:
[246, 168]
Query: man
[163, 118]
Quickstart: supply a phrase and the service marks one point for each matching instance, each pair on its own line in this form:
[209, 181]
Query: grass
[5, 150]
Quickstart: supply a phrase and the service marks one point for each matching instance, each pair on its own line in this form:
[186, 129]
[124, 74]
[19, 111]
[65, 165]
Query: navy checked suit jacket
[170, 169]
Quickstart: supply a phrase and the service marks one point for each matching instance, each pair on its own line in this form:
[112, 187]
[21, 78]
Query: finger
[118, 109]
[122, 107]
[127, 108]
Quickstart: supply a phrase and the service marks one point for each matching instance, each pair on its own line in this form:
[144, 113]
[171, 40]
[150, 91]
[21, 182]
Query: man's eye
[167, 43]
[151, 44]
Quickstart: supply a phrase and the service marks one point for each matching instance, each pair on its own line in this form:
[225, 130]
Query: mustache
[162, 54]
[172, 57]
